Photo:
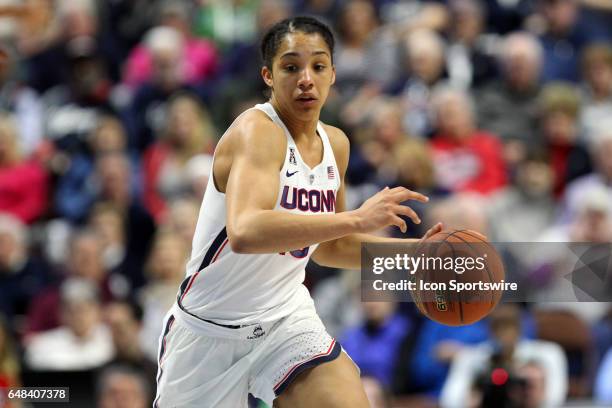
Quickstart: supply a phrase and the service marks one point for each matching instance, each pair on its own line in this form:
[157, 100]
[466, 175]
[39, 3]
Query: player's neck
[299, 129]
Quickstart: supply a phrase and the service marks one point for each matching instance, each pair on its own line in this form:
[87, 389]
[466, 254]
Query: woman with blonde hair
[189, 132]
[23, 183]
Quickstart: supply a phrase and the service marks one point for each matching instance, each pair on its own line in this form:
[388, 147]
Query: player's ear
[333, 78]
[266, 74]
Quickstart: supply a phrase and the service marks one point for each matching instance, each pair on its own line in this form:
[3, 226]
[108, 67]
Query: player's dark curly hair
[274, 36]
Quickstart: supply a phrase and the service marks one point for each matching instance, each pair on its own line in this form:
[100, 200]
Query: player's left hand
[433, 231]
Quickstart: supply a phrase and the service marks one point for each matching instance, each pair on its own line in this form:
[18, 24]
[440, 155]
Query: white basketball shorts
[205, 365]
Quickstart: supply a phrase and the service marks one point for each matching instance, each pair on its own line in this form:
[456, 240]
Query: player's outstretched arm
[257, 154]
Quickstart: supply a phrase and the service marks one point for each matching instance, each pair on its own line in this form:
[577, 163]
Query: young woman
[243, 321]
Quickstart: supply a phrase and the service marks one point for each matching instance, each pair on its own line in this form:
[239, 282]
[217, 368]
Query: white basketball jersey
[236, 289]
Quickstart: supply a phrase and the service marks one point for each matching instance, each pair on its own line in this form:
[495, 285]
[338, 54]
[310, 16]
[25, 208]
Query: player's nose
[305, 82]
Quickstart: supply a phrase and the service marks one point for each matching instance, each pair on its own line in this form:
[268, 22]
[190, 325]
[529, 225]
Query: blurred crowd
[499, 110]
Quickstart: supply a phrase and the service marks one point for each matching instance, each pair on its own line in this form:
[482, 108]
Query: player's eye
[290, 68]
[319, 67]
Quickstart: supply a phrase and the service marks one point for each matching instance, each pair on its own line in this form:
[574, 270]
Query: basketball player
[243, 321]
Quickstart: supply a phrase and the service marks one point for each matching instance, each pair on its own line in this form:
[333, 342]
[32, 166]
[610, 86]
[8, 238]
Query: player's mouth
[306, 99]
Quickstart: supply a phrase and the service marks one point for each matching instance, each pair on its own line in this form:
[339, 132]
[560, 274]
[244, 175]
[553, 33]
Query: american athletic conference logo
[257, 333]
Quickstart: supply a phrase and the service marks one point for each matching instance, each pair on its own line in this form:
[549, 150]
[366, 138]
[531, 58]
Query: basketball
[464, 280]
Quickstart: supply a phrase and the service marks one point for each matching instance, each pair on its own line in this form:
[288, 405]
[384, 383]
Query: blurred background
[499, 110]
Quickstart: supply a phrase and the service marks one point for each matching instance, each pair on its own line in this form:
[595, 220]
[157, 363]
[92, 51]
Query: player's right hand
[384, 209]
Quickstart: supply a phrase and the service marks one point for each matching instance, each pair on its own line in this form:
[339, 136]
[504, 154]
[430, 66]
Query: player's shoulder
[337, 137]
[339, 142]
[254, 130]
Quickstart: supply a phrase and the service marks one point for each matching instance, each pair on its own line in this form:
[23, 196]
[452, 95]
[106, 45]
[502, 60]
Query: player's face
[302, 74]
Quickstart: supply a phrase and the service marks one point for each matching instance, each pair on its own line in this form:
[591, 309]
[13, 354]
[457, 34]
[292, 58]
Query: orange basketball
[461, 279]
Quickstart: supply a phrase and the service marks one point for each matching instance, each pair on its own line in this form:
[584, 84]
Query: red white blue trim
[331, 354]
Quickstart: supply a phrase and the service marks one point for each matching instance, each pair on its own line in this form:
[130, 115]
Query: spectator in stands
[465, 158]
[84, 262]
[602, 335]
[364, 53]
[74, 28]
[596, 89]
[10, 367]
[518, 357]
[460, 211]
[559, 110]
[199, 57]
[198, 170]
[601, 154]
[182, 218]
[378, 140]
[148, 111]
[119, 254]
[22, 276]
[72, 108]
[23, 182]
[525, 208]
[82, 342]
[240, 86]
[468, 63]
[23, 102]
[425, 69]
[226, 23]
[414, 169]
[123, 387]
[507, 107]
[166, 270]
[112, 182]
[435, 348]
[124, 320]
[603, 390]
[374, 343]
[563, 38]
[188, 132]
[77, 186]
[505, 17]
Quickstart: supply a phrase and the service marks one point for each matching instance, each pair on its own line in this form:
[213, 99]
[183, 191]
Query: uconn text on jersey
[308, 200]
